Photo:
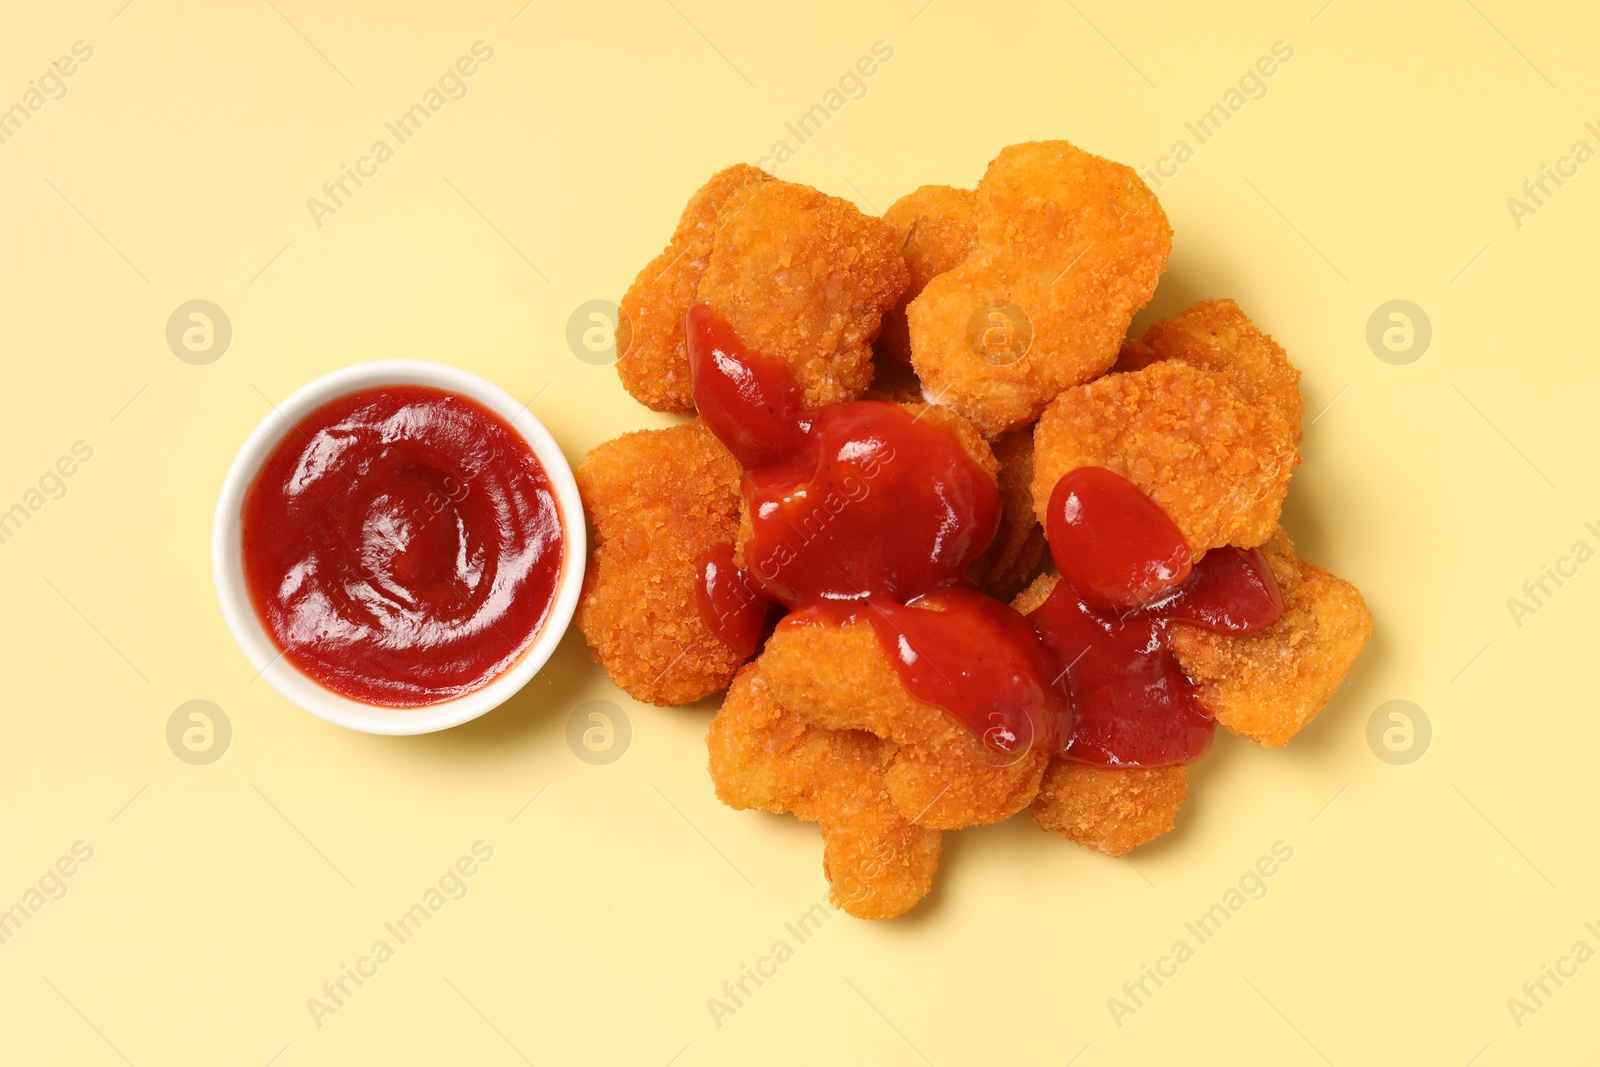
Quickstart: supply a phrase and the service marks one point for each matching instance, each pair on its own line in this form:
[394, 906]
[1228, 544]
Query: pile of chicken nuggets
[1004, 310]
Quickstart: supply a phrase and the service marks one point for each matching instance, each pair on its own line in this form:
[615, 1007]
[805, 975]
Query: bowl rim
[251, 634]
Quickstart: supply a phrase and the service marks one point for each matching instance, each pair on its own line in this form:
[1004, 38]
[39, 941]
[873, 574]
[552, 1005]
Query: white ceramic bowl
[258, 645]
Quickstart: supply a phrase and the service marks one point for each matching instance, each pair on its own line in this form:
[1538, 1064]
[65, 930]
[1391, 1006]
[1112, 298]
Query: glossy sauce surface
[863, 512]
[736, 611]
[402, 545]
[1133, 705]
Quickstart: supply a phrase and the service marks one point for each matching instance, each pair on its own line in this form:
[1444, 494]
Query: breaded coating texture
[1037, 593]
[877, 864]
[1019, 546]
[652, 360]
[1216, 335]
[657, 500]
[806, 278]
[938, 226]
[1217, 464]
[1109, 809]
[1073, 242]
[1267, 686]
[941, 775]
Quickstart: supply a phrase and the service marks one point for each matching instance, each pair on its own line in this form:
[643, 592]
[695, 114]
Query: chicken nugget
[1217, 335]
[878, 865]
[941, 775]
[1268, 685]
[652, 359]
[657, 501]
[806, 278]
[1216, 463]
[1019, 546]
[1069, 247]
[1109, 809]
[937, 225]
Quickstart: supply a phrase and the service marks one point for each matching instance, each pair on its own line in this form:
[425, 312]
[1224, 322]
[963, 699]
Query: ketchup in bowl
[402, 545]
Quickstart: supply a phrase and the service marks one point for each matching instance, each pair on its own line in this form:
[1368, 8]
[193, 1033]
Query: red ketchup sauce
[1107, 619]
[402, 545]
[863, 512]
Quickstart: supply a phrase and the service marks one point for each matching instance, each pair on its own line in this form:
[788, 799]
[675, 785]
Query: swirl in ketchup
[402, 545]
[863, 511]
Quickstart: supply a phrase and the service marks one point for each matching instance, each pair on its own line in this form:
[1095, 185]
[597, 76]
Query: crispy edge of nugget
[1216, 463]
[1267, 686]
[938, 225]
[657, 500]
[653, 360]
[1019, 546]
[940, 776]
[1036, 593]
[1109, 809]
[805, 277]
[1217, 335]
[1077, 243]
[878, 864]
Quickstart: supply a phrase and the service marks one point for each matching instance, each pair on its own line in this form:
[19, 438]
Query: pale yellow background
[1377, 167]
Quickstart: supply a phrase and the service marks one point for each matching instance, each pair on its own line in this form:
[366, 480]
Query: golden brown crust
[1267, 686]
[1109, 809]
[1218, 465]
[1216, 335]
[653, 362]
[1019, 546]
[806, 278]
[937, 226]
[1037, 592]
[877, 864]
[1076, 243]
[657, 500]
[941, 775]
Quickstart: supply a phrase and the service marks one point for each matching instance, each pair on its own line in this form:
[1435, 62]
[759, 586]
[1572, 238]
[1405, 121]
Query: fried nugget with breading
[1268, 685]
[1069, 247]
[941, 775]
[1216, 463]
[657, 501]
[806, 278]
[1019, 546]
[1109, 809]
[1217, 335]
[937, 225]
[653, 361]
[878, 864]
